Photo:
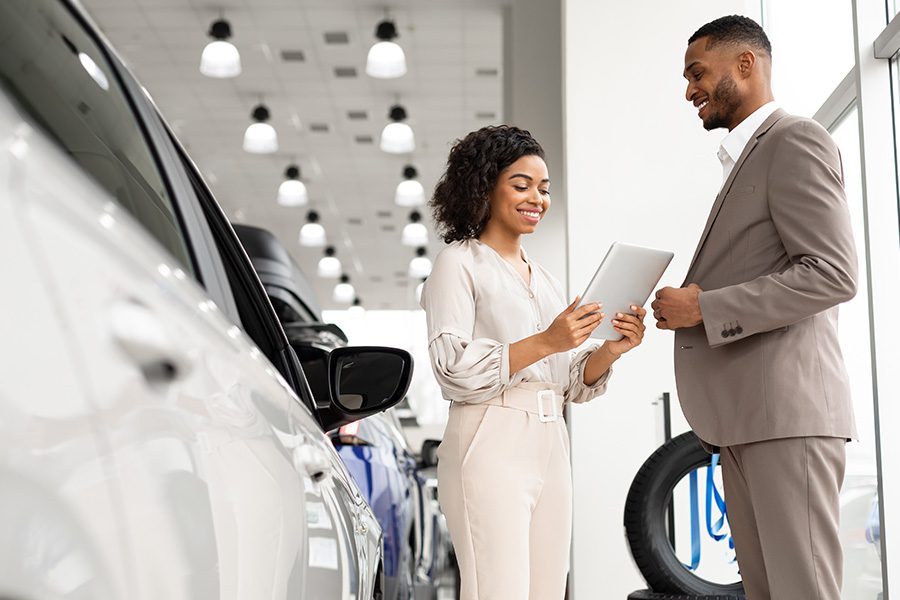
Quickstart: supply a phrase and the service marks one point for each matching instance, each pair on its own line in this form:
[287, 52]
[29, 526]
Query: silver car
[157, 435]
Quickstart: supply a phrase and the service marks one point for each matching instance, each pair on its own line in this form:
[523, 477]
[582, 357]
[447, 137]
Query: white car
[157, 435]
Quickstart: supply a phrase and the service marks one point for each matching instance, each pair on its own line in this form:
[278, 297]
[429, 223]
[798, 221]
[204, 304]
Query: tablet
[626, 277]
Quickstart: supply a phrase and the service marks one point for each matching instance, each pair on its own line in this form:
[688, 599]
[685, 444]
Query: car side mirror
[365, 380]
[429, 453]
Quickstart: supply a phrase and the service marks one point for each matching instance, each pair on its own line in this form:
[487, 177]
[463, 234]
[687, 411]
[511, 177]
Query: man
[757, 362]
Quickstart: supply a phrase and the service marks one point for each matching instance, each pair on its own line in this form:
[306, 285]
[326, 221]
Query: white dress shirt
[733, 144]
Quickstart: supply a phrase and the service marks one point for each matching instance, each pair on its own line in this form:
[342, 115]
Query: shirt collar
[734, 143]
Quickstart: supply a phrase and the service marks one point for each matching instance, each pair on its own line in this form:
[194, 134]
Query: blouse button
[531, 294]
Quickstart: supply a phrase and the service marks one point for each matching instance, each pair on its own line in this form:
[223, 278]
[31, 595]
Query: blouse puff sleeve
[468, 370]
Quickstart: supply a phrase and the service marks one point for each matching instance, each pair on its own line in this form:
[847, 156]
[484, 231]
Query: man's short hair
[734, 29]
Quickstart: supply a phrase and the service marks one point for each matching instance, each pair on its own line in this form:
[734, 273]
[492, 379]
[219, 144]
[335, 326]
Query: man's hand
[675, 308]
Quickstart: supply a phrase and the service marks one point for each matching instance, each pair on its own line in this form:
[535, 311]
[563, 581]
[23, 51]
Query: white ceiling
[454, 53]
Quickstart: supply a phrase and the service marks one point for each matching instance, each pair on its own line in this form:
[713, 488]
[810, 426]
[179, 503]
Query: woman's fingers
[582, 311]
[590, 323]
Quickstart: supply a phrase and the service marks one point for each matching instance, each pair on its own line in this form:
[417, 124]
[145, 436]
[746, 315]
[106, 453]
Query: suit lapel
[720, 199]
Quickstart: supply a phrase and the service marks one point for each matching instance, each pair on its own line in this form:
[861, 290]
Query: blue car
[375, 453]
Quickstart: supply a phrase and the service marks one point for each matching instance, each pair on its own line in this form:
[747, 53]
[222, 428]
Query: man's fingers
[662, 324]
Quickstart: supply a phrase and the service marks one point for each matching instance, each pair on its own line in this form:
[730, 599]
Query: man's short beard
[726, 98]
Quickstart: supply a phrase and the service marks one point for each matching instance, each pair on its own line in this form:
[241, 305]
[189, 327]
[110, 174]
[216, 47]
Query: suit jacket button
[732, 331]
[724, 333]
[739, 330]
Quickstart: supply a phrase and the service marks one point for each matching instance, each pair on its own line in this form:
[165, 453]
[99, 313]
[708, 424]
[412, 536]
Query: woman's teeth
[531, 214]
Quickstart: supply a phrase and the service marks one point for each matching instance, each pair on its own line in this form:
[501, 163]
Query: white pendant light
[220, 59]
[386, 59]
[357, 309]
[329, 265]
[292, 191]
[420, 265]
[343, 292]
[397, 137]
[414, 233]
[409, 191]
[260, 137]
[312, 234]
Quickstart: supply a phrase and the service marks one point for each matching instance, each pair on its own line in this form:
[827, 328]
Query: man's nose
[689, 92]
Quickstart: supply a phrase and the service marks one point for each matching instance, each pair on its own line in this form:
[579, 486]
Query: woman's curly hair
[460, 204]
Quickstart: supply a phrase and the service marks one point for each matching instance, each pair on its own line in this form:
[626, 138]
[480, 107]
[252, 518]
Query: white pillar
[882, 243]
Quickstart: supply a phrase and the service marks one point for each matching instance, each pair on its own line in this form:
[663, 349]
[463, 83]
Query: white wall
[640, 169]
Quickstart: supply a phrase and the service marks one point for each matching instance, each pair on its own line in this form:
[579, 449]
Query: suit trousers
[783, 508]
[505, 486]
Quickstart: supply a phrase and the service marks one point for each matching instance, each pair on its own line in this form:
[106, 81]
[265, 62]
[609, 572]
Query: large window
[809, 60]
[860, 523]
[53, 69]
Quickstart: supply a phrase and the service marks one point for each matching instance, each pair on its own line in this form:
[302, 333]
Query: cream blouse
[476, 304]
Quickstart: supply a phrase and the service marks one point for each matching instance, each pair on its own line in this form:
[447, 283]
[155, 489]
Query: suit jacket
[775, 259]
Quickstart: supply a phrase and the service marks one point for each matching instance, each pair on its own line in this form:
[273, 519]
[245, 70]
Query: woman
[500, 337]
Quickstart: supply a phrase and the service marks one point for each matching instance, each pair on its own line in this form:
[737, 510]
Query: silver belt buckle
[552, 416]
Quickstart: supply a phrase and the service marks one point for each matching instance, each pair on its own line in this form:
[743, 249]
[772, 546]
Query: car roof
[275, 266]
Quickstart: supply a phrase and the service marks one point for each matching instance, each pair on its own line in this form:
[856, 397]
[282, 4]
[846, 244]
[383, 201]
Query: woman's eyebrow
[528, 177]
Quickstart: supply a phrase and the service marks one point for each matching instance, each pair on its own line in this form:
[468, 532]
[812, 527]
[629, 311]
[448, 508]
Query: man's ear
[746, 62]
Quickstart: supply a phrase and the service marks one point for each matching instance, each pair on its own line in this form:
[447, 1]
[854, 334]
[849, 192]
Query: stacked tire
[647, 531]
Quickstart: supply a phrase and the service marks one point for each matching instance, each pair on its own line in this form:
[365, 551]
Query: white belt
[533, 398]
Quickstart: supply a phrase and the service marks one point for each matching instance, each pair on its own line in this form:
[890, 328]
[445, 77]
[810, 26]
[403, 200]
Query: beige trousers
[505, 486]
[782, 499]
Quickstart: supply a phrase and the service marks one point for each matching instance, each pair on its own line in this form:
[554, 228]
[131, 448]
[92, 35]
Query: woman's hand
[632, 327]
[572, 326]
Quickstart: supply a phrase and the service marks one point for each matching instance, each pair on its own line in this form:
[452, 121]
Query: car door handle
[142, 337]
[314, 462]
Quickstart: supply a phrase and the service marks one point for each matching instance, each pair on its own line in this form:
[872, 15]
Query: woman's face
[521, 196]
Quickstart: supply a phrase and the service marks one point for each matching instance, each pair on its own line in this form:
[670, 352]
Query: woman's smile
[531, 216]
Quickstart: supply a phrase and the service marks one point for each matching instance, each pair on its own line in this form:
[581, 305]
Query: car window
[254, 311]
[57, 73]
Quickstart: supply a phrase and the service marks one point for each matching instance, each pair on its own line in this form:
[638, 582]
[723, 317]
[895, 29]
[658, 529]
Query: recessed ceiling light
[364, 139]
[337, 37]
[357, 115]
[345, 72]
[384, 214]
[318, 127]
[293, 56]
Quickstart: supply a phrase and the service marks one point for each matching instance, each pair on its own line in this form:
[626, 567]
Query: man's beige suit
[763, 377]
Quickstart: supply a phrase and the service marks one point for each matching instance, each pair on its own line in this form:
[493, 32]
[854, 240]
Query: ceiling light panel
[337, 37]
[355, 175]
